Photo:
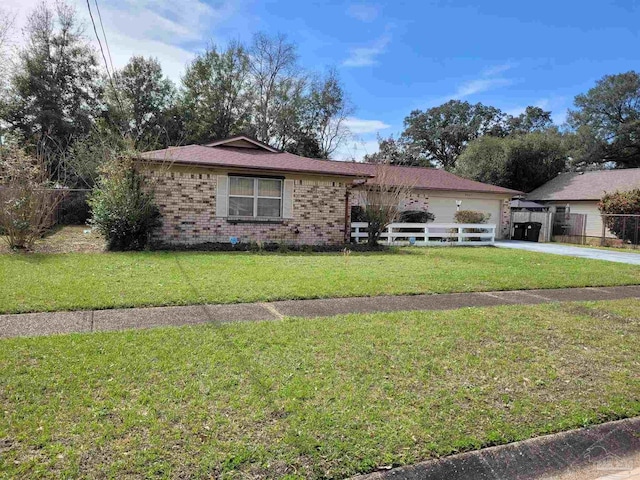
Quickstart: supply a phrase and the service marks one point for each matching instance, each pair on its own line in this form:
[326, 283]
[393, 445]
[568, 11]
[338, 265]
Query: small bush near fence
[617, 208]
[471, 216]
[416, 216]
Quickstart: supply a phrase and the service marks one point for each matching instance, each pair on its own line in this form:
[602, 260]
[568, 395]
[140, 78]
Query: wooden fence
[423, 234]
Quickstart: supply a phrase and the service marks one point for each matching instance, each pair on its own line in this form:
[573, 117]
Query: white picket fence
[423, 234]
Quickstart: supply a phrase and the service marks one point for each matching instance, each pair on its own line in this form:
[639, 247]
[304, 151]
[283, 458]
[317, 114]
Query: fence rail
[423, 234]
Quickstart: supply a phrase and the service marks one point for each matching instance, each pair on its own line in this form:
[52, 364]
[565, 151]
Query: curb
[595, 451]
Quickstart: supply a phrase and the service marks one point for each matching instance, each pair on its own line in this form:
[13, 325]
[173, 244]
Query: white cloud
[363, 12]
[489, 79]
[360, 126]
[365, 56]
[166, 29]
[480, 85]
[497, 69]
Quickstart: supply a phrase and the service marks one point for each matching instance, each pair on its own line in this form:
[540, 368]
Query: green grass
[322, 398]
[41, 282]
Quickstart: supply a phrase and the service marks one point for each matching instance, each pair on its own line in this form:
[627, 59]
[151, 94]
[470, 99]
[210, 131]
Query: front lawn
[40, 282]
[322, 398]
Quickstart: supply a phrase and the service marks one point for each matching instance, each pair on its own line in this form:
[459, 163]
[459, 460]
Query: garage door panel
[444, 209]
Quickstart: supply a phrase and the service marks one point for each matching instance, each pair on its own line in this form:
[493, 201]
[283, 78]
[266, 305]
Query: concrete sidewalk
[36, 324]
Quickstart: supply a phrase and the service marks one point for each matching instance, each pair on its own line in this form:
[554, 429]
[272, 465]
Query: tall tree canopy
[607, 122]
[397, 152]
[54, 92]
[441, 133]
[533, 119]
[217, 94]
[520, 161]
[141, 102]
[262, 91]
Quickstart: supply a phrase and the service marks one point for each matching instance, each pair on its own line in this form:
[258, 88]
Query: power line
[106, 42]
[106, 65]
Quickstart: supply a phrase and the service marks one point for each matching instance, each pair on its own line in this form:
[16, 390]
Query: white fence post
[452, 234]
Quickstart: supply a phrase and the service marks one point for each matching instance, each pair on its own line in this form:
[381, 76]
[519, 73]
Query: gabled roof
[251, 158]
[526, 204]
[256, 156]
[241, 141]
[586, 185]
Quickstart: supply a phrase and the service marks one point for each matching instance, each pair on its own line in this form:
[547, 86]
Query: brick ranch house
[242, 188]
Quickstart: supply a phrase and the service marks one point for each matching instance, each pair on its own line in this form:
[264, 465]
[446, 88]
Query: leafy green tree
[622, 203]
[607, 122]
[440, 134]
[217, 94]
[533, 119]
[522, 162]
[141, 103]
[396, 152]
[54, 91]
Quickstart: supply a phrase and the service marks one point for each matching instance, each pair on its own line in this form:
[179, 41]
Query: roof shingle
[586, 185]
[259, 159]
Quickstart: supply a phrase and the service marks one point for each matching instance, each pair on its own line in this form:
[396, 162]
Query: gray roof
[526, 204]
[586, 185]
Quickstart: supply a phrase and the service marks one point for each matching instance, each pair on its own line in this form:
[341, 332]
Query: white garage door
[445, 208]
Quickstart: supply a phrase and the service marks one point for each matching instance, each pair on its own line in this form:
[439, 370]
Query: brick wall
[186, 199]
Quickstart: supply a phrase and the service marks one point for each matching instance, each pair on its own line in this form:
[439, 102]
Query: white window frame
[255, 196]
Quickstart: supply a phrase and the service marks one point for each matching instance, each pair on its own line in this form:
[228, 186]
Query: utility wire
[106, 42]
[106, 64]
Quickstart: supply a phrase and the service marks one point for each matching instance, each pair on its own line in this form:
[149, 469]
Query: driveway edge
[612, 447]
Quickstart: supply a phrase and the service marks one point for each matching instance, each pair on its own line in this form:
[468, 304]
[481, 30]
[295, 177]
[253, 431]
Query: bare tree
[330, 109]
[7, 21]
[273, 64]
[380, 199]
[27, 204]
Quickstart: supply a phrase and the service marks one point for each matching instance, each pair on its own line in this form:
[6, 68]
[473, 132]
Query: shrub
[74, 209]
[622, 203]
[416, 216]
[122, 206]
[27, 201]
[471, 216]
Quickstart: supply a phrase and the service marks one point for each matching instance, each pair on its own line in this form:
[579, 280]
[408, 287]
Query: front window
[255, 197]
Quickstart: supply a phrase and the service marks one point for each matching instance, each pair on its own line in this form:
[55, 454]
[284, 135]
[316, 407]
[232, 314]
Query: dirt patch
[66, 239]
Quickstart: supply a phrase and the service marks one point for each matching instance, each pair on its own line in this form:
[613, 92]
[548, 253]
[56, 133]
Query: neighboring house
[580, 192]
[242, 188]
[520, 205]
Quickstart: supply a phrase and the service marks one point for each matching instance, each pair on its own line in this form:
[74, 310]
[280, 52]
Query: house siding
[589, 208]
[186, 197]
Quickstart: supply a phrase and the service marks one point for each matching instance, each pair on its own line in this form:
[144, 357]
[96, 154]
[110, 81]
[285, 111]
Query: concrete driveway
[571, 251]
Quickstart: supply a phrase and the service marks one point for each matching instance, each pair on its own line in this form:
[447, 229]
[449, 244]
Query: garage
[445, 208]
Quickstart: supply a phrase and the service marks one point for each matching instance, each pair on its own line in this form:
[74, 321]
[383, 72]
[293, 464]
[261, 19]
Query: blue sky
[394, 57]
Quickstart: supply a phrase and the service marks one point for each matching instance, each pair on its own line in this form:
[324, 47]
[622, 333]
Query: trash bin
[519, 231]
[533, 231]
